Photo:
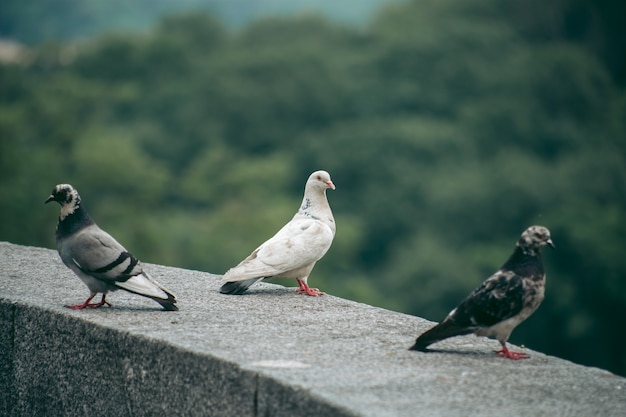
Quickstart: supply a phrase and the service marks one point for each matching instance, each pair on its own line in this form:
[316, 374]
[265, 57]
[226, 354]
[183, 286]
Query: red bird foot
[306, 290]
[506, 353]
[313, 292]
[88, 304]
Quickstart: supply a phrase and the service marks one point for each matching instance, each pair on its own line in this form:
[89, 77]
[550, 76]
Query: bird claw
[305, 289]
[90, 305]
[313, 292]
[87, 303]
[76, 306]
[505, 353]
[100, 304]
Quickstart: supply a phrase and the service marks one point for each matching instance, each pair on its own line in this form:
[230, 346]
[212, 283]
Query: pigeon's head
[535, 238]
[320, 179]
[66, 196]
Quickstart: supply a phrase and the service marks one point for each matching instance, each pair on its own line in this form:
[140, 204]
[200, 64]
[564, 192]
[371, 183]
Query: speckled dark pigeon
[503, 301]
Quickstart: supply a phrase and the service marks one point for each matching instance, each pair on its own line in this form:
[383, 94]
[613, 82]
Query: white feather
[141, 284]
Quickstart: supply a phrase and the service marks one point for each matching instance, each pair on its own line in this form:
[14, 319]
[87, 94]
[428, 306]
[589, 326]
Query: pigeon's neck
[315, 205]
[525, 262]
[72, 220]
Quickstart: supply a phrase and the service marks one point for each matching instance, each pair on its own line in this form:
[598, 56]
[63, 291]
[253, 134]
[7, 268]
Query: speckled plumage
[97, 258]
[503, 300]
[293, 251]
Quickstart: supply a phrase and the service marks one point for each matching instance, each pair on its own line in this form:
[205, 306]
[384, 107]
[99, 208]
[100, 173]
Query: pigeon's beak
[550, 243]
[51, 198]
[330, 184]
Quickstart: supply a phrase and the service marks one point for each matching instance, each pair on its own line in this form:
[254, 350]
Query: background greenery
[448, 126]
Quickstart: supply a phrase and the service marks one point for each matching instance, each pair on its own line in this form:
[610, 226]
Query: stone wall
[269, 352]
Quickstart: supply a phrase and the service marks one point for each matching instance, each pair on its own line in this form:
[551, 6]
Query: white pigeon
[503, 301]
[97, 258]
[294, 250]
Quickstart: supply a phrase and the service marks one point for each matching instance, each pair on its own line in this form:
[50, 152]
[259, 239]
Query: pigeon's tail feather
[442, 331]
[237, 287]
[170, 303]
[143, 284]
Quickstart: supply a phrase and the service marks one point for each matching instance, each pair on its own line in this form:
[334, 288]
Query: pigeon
[293, 251]
[503, 300]
[97, 258]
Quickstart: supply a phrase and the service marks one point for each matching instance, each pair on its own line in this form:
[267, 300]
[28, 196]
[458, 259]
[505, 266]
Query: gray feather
[237, 287]
[442, 331]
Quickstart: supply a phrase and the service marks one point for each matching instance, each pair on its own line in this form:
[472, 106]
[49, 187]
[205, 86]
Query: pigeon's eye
[538, 235]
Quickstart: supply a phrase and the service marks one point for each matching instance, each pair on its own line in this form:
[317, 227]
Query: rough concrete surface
[269, 352]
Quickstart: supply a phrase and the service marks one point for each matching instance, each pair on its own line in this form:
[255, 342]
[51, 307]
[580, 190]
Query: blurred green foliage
[35, 20]
[448, 126]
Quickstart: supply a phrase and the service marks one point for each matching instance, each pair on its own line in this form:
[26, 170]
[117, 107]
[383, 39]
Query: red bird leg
[305, 289]
[506, 353]
[83, 305]
[87, 303]
[102, 302]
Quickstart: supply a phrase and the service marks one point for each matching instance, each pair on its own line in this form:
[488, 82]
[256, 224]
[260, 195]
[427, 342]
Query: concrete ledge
[266, 353]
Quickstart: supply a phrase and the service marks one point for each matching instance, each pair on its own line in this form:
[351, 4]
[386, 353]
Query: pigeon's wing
[299, 243]
[500, 297]
[99, 255]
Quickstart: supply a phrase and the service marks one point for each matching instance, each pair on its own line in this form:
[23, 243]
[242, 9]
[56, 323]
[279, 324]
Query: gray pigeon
[293, 251]
[97, 258]
[503, 301]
